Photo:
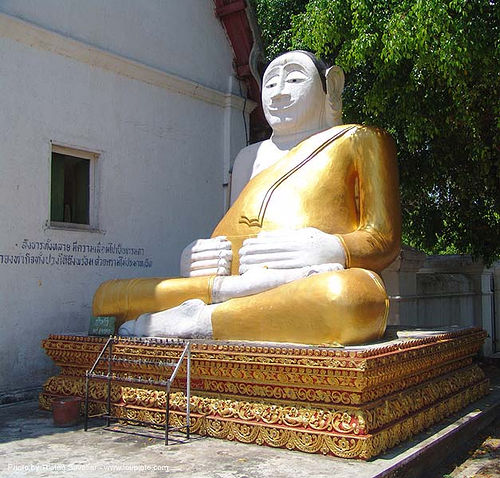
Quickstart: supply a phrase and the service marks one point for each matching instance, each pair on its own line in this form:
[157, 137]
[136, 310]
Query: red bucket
[66, 411]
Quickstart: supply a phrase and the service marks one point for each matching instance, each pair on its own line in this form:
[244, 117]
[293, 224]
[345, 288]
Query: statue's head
[300, 94]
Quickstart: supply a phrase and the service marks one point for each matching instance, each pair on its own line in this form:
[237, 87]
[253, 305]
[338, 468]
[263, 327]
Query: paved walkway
[484, 461]
[30, 445]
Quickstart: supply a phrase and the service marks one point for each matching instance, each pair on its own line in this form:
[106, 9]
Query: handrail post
[167, 410]
[88, 373]
[110, 357]
[85, 427]
[188, 389]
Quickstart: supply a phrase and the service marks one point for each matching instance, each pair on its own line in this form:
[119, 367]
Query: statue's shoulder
[361, 137]
[360, 142]
[250, 149]
[243, 168]
[354, 130]
[366, 133]
[371, 144]
[246, 157]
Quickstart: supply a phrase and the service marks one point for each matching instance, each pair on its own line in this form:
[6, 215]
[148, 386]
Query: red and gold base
[352, 402]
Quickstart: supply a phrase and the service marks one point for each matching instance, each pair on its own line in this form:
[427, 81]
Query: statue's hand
[291, 250]
[206, 257]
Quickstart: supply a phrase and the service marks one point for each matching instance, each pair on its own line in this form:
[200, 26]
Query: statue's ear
[335, 80]
[334, 87]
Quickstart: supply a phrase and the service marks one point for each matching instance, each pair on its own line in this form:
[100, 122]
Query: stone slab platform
[352, 402]
[27, 434]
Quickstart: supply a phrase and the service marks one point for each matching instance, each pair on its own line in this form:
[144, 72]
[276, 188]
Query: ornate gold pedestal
[352, 402]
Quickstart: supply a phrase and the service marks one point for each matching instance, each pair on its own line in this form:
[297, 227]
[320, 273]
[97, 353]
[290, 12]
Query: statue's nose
[280, 97]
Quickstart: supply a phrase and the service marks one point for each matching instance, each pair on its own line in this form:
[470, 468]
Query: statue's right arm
[376, 241]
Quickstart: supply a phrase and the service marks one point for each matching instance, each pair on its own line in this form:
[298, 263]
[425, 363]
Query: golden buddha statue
[296, 258]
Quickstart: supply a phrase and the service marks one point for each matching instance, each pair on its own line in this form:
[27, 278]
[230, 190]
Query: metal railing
[443, 295]
[110, 377]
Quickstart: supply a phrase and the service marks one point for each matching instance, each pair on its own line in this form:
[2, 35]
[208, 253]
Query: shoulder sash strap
[259, 220]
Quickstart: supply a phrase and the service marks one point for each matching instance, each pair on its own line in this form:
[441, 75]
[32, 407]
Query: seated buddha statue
[296, 258]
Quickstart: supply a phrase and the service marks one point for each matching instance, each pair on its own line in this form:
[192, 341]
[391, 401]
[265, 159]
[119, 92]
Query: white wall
[179, 36]
[160, 173]
[443, 291]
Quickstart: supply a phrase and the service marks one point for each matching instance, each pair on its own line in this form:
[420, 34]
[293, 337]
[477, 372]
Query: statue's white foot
[127, 329]
[191, 319]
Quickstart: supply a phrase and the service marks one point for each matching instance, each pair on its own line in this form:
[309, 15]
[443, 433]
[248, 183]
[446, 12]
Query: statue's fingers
[211, 254]
[267, 238]
[207, 264]
[276, 233]
[204, 256]
[197, 243]
[224, 263]
[320, 268]
[204, 272]
[214, 271]
[266, 259]
[283, 264]
[269, 247]
[331, 266]
[214, 244]
[203, 244]
[211, 264]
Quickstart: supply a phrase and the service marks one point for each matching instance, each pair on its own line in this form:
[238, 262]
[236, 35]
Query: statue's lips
[281, 107]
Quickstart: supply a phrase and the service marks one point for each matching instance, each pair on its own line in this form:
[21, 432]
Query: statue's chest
[312, 186]
[297, 194]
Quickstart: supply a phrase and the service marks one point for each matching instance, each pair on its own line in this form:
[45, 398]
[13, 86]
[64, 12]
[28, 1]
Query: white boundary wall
[148, 85]
[444, 291]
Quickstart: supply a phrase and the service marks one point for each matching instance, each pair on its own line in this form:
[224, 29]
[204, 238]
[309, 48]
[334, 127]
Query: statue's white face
[292, 94]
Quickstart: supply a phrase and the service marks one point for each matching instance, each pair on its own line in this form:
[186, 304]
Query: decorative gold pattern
[345, 446]
[344, 420]
[319, 375]
[344, 402]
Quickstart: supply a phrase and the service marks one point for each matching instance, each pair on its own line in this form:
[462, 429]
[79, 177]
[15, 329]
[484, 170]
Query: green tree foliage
[428, 72]
[274, 17]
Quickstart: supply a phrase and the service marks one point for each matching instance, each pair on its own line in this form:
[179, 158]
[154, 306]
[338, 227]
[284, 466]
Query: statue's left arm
[376, 241]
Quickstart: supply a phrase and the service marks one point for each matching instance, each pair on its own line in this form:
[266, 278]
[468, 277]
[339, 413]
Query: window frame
[93, 157]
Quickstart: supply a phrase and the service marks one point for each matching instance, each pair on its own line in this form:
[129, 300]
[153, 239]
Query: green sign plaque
[102, 326]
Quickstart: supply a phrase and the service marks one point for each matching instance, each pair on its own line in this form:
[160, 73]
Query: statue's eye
[271, 82]
[296, 77]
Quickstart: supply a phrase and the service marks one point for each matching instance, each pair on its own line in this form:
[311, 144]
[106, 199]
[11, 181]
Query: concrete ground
[483, 457]
[30, 445]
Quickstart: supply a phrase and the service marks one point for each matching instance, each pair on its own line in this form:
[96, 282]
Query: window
[71, 187]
